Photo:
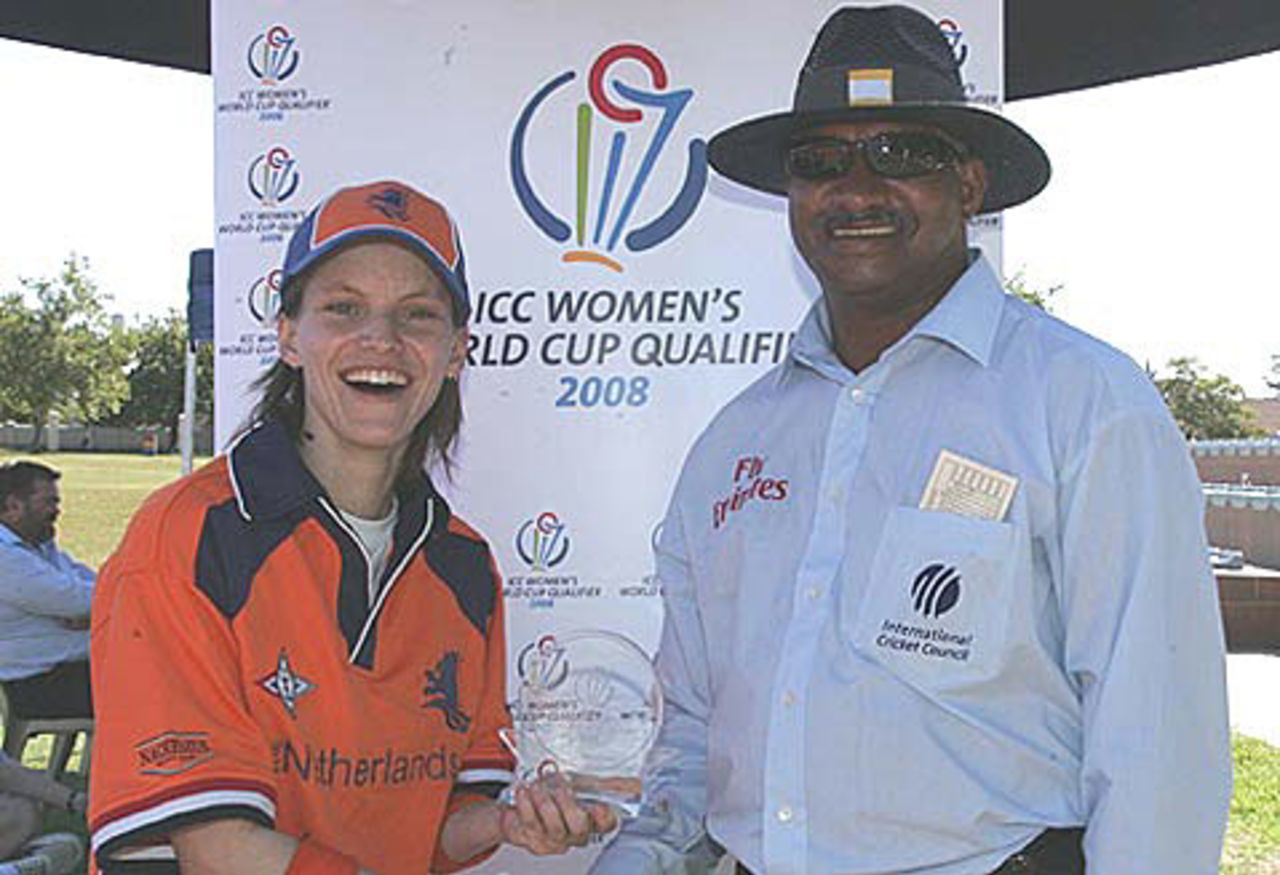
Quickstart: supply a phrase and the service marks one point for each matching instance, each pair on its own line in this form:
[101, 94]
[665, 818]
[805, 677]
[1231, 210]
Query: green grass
[1253, 834]
[101, 491]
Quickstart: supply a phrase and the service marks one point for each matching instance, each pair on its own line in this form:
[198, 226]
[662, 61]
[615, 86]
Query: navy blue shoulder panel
[231, 550]
[464, 565]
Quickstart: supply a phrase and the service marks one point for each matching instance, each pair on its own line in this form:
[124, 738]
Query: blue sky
[1159, 223]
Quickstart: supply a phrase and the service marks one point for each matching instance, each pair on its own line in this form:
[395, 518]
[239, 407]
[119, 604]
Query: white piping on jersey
[376, 608]
[485, 776]
[182, 805]
[234, 478]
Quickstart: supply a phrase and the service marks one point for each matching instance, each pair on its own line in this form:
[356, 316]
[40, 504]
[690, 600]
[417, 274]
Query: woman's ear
[458, 354]
[287, 342]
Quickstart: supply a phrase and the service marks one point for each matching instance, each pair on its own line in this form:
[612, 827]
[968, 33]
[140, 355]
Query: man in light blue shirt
[937, 590]
[44, 600]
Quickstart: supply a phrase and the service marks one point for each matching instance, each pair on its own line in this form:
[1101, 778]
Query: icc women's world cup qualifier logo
[264, 298]
[273, 56]
[542, 664]
[273, 176]
[543, 542]
[600, 225]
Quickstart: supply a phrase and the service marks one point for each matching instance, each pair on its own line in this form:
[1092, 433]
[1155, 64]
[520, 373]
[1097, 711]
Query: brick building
[1242, 496]
[1242, 511]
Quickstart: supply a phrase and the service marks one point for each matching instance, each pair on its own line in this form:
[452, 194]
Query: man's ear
[973, 185]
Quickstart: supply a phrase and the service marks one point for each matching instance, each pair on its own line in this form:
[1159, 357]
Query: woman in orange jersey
[298, 651]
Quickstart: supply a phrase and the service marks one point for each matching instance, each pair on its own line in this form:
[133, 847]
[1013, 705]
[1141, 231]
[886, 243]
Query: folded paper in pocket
[968, 488]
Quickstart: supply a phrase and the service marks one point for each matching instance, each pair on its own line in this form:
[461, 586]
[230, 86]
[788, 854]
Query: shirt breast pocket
[936, 604]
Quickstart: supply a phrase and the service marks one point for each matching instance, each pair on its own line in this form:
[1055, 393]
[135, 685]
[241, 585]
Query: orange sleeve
[173, 741]
[487, 761]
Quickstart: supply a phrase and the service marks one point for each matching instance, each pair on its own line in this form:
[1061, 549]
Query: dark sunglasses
[893, 154]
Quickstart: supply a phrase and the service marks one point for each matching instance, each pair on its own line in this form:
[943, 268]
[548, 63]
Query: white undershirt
[375, 537]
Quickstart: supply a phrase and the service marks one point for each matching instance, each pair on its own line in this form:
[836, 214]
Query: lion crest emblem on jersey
[441, 692]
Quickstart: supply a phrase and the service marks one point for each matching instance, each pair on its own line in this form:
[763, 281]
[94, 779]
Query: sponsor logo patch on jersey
[750, 485]
[441, 692]
[172, 753]
[285, 684]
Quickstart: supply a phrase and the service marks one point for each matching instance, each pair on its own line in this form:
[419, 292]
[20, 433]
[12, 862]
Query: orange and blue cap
[386, 210]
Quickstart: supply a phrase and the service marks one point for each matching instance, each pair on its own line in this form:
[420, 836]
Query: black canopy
[1052, 45]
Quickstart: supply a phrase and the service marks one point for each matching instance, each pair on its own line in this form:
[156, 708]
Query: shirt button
[785, 814]
[858, 395]
[813, 593]
[788, 698]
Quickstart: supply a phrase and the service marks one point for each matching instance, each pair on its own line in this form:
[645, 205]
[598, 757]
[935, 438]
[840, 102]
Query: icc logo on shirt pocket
[937, 603]
[936, 590]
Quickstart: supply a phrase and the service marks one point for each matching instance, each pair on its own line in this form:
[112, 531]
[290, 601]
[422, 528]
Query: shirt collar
[45, 549]
[9, 536]
[270, 479]
[267, 473]
[967, 318]
[968, 315]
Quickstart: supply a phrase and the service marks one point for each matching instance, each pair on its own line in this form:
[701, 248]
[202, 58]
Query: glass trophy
[589, 707]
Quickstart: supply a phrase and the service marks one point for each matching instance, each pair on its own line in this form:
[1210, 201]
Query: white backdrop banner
[622, 292]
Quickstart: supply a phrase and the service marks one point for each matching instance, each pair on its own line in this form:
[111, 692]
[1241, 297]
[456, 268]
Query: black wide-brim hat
[884, 63]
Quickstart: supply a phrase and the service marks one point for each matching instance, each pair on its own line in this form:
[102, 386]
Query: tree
[1206, 406]
[10, 325]
[59, 350]
[1017, 285]
[1274, 380]
[157, 372]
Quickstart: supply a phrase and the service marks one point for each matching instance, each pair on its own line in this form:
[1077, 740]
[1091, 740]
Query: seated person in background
[23, 794]
[44, 600]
